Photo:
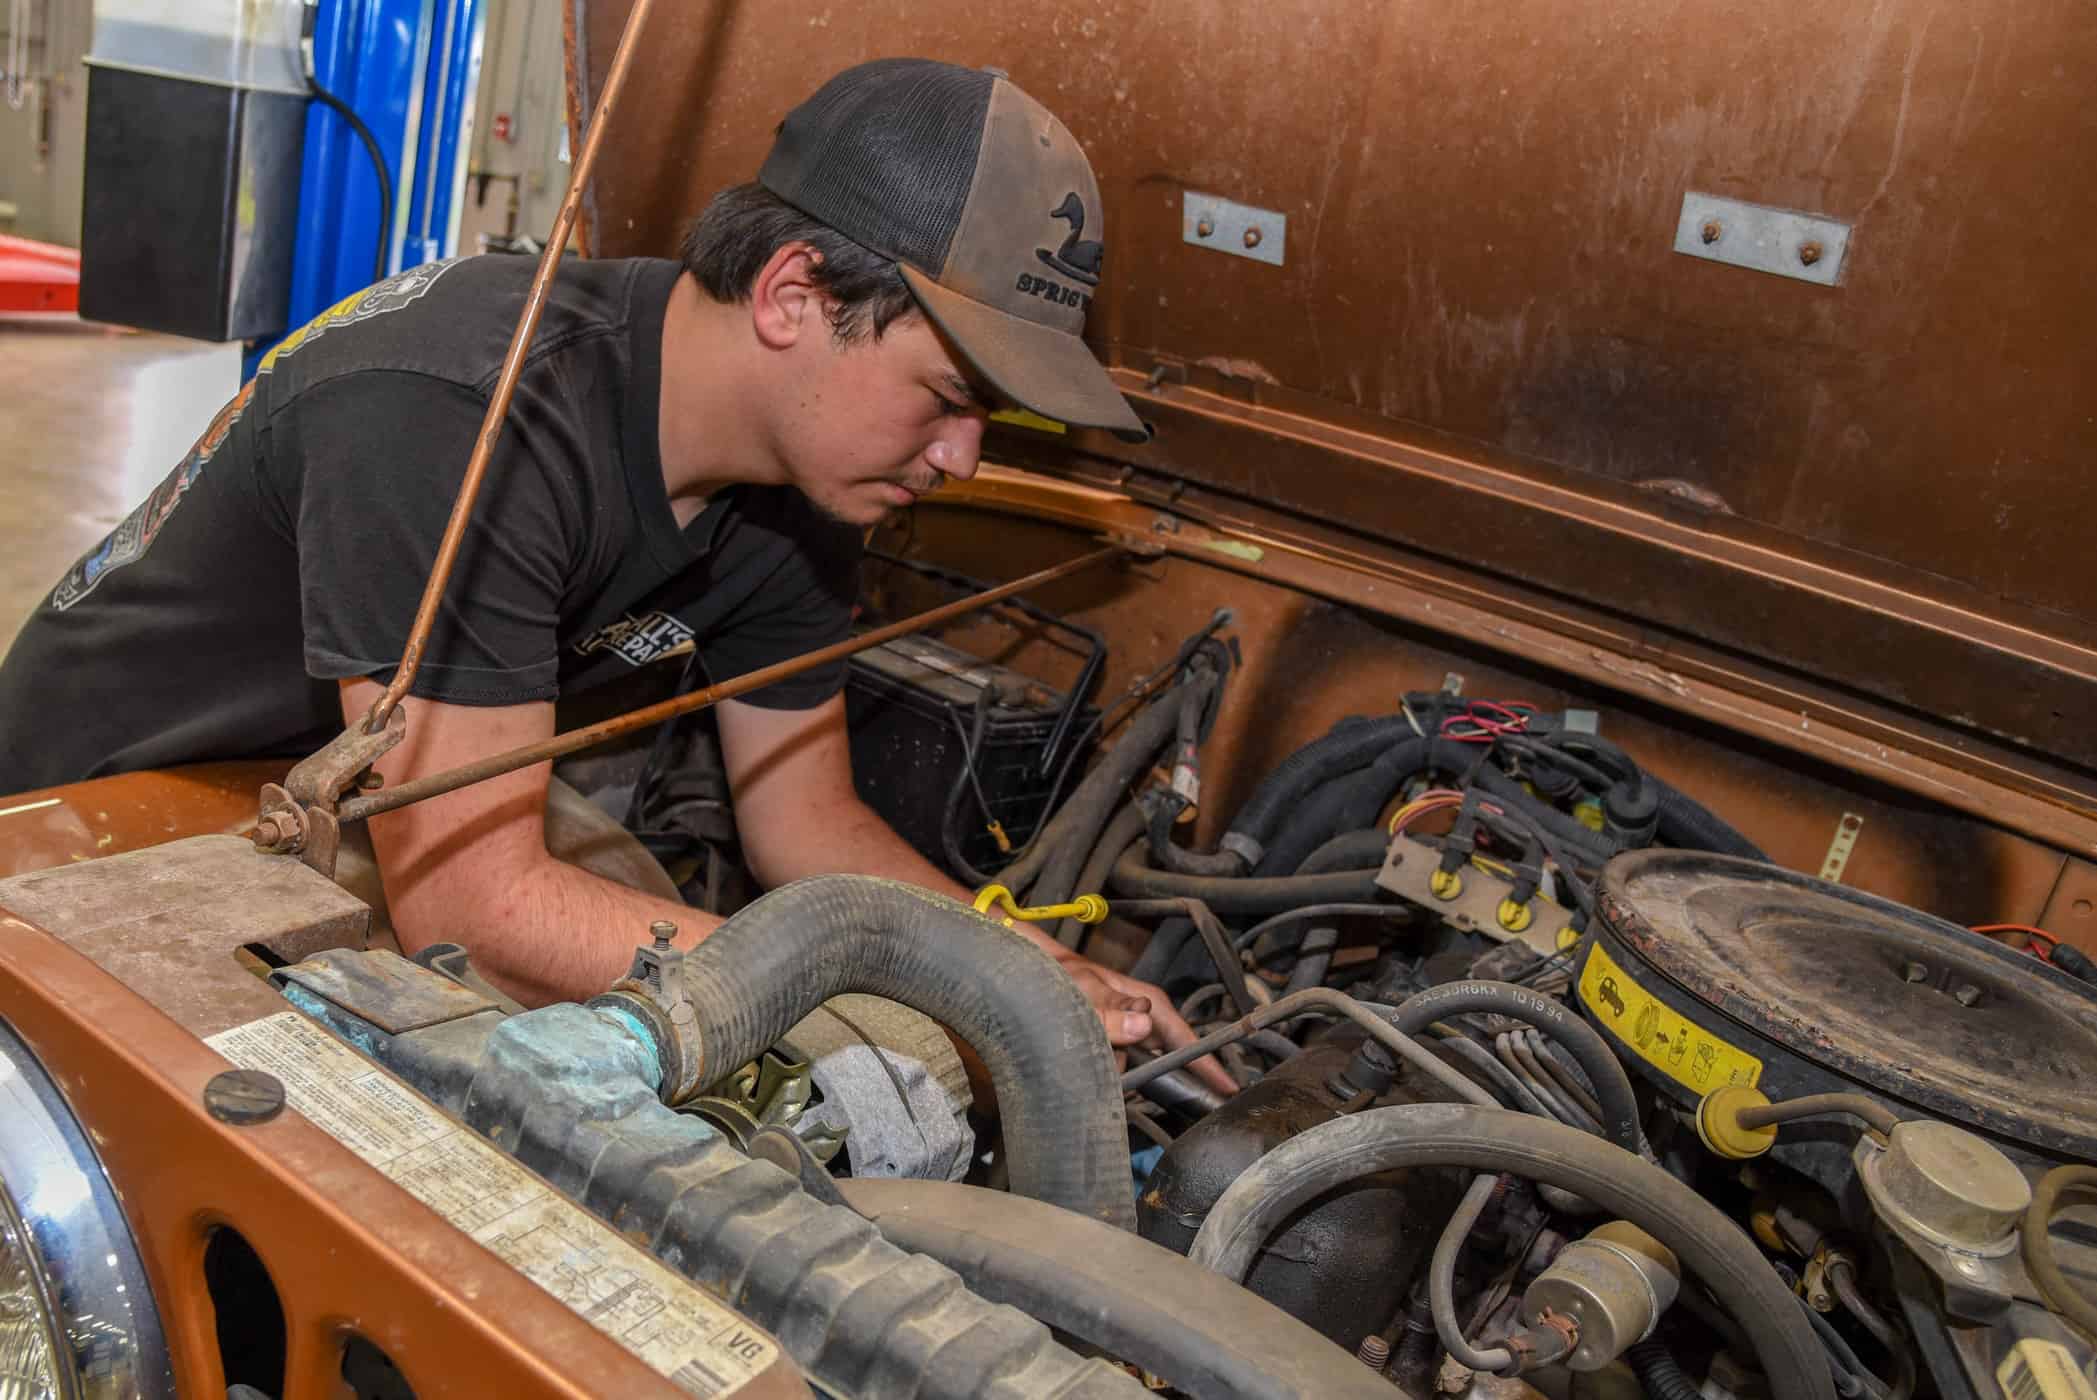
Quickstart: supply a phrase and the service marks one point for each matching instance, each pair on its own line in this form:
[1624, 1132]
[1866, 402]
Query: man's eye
[947, 407]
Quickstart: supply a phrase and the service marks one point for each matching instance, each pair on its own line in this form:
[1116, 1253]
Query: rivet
[244, 1097]
[1966, 994]
[1809, 252]
[1712, 229]
[1252, 238]
[1915, 972]
[1205, 228]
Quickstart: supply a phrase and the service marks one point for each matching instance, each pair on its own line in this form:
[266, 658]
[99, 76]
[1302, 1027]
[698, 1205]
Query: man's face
[875, 424]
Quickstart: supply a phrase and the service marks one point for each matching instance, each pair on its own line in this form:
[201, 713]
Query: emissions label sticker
[1675, 1045]
[624, 1292]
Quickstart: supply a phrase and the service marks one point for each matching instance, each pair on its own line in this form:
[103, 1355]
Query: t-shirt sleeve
[379, 457]
[806, 602]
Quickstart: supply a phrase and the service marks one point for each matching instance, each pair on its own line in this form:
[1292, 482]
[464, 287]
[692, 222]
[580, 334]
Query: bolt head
[1809, 252]
[1712, 229]
[1966, 994]
[1252, 238]
[663, 931]
[1915, 972]
[244, 1097]
[1205, 228]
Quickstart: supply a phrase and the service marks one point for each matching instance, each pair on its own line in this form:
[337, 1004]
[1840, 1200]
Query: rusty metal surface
[1933, 837]
[171, 922]
[1481, 346]
[348, 1251]
[108, 816]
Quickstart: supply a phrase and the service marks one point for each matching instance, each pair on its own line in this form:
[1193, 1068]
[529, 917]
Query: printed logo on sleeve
[130, 540]
[640, 640]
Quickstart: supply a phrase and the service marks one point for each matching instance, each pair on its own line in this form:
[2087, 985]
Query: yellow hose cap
[1446, 884]
[1514, 917]
[1718, 1123]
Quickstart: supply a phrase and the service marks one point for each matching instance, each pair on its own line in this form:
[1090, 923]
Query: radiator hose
[1709, 1245]
[1136, 1300]
[787, 953]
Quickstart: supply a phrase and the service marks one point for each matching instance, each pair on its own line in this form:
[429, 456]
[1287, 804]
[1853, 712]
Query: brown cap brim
[1040, 368]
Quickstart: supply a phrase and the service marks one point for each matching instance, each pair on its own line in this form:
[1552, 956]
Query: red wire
[2042, 954]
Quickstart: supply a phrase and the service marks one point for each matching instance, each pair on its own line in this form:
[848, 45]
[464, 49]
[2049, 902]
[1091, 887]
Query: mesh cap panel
[885, 153]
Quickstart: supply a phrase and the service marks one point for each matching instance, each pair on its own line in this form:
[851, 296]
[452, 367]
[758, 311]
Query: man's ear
[786, 302]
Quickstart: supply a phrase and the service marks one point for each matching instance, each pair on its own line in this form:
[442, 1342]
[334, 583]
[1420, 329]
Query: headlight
[76, 1316]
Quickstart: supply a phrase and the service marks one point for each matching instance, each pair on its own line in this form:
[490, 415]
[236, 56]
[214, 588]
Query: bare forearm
[550, 931]
[845, 837]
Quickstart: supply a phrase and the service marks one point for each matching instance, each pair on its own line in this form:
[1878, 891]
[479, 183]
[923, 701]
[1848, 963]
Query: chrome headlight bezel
[78, 1243]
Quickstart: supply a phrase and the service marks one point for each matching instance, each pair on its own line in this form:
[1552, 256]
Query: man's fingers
[1125, 1027]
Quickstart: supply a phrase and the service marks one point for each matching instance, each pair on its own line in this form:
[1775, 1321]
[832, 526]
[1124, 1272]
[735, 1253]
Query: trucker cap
[988, 204]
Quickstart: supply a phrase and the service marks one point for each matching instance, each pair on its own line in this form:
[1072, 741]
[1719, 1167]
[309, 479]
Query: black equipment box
[912, 707]
[189, 204]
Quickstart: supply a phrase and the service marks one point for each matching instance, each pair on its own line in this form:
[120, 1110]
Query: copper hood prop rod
[506, 383]
[436, 784]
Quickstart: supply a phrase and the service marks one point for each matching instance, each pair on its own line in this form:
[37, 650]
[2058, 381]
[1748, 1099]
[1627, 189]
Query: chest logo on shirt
[129, 541]
[639, 640]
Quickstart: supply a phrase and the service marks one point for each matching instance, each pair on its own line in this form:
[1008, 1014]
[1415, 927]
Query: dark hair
[742, 226]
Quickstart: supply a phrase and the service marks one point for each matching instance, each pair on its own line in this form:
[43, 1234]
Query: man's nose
[958, 447]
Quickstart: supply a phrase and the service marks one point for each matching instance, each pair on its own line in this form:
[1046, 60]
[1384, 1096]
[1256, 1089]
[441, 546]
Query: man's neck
[707, 435]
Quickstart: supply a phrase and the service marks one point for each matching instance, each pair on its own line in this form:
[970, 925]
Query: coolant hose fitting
[787, 953]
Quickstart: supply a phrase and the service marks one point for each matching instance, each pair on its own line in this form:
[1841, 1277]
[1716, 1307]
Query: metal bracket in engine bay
[1475, 903]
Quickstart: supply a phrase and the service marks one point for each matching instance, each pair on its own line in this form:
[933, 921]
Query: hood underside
[1469, 344]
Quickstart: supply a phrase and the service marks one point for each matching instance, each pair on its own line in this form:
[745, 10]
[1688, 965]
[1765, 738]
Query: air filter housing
[1707, 969]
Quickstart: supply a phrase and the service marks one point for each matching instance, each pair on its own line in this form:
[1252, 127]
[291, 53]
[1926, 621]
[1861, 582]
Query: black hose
[1350, 850]
[378, 165]
[1352, 743]
[1133, 1299]
[1169, 855]
[1076, 829]
[1343, 1150]
[1659, 1372]
[1121, 833]
[1352, 802]
[787, 953]
[1688, 823]
[1313, 959]
[1134, 875]
[1165, 814]
[1162, 951]
[1581, 1041]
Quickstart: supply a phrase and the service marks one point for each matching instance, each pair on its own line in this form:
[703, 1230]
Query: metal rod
[436, 784]
[506, 383]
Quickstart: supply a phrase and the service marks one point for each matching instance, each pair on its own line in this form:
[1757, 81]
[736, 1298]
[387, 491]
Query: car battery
[912, 709]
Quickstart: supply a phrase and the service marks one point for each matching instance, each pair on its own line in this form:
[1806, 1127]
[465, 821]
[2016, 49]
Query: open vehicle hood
[1479, 361]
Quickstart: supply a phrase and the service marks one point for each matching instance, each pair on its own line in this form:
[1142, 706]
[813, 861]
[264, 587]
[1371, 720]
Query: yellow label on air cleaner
[1675, 1045]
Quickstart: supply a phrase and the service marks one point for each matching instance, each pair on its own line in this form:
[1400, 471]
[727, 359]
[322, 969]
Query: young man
[691, 453]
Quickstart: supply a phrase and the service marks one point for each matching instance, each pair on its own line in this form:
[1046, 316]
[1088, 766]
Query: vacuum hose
[1580, 1040]
[784, 955]
[1336, 1153]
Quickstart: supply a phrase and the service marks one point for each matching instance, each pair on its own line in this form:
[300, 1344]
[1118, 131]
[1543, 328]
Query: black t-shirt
[288, 550]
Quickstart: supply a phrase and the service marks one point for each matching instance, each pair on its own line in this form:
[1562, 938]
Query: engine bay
[1549, 1081]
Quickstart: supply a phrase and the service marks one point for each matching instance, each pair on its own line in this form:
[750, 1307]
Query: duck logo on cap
[1079, 257]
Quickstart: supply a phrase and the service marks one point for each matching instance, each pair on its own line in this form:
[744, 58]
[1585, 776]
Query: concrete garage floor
[90, 419]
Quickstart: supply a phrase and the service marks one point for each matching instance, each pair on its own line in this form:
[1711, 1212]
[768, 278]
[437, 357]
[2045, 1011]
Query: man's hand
[1136, 1013]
